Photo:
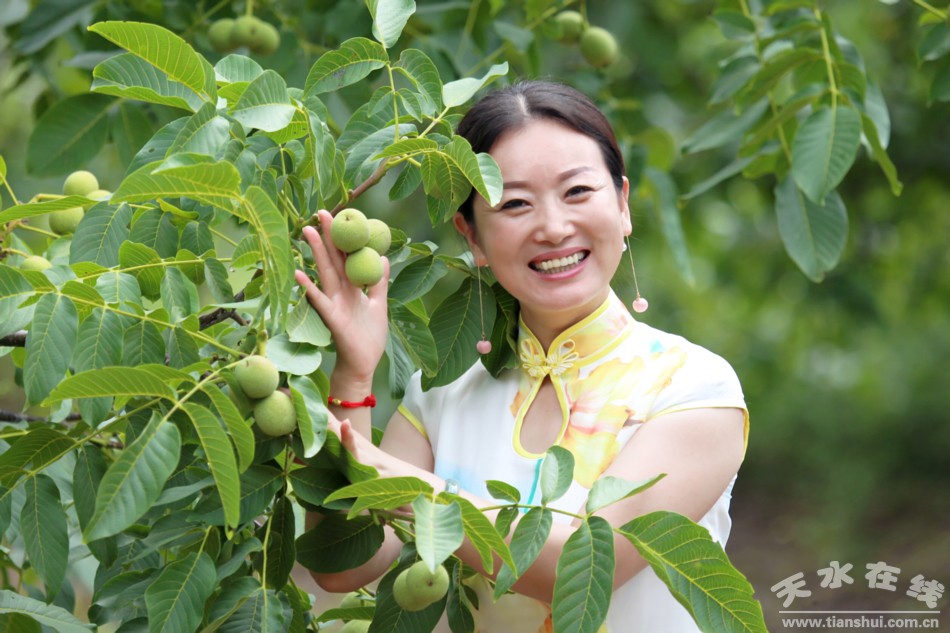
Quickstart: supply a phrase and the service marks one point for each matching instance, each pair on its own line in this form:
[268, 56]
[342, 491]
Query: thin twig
[17, 339]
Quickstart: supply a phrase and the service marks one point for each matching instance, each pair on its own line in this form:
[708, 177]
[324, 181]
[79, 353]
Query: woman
[629, 401]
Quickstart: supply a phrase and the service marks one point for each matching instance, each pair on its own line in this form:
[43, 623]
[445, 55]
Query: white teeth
[554, 265]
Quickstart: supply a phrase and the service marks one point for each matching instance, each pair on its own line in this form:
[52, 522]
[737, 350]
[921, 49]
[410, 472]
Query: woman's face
[556, 238]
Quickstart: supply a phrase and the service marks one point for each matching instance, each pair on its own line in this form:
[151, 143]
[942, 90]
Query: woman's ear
[624, 194]
[467, 230]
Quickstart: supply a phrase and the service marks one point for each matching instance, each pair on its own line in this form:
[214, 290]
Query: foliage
[131, 337]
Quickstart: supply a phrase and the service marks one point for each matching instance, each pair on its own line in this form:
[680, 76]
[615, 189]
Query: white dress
[612, 374]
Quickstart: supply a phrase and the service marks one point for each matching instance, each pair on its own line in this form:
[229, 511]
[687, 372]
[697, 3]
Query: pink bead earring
[639, 304]
[484, 345]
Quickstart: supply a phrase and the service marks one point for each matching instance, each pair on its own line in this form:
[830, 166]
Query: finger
[335, 255]
[329, 274]
[380, 290]
[347, 437]
[320, 302]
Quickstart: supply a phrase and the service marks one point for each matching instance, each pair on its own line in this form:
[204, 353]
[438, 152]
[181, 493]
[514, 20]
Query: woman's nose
[554, 222]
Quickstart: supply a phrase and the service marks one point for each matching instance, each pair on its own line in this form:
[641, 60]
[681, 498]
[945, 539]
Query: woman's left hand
[364, 451]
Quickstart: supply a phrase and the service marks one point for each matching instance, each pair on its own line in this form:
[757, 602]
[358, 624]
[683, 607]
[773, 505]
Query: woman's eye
[578, 190]
[512, 204]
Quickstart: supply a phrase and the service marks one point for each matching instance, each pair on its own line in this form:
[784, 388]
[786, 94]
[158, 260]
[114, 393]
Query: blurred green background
[846, 380]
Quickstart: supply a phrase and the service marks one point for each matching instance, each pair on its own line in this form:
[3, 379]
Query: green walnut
[65, 221]
[246, 31]
[380, 237]
[570, 26]
[80, 183]
[219, 34]
[352, 600]
[35, 262]
[355, 626]
[257, 376]
[275, 414]
[349, 230]
[417, 587]
[267, 41]
[599, 47]
[364, 267]
[99, 194]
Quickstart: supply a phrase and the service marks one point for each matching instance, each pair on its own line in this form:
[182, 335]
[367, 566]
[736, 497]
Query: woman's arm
[404, 442]
[700, 451]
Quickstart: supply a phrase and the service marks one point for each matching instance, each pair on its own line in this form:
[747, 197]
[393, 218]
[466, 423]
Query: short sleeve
[705, 380]
[415, 403]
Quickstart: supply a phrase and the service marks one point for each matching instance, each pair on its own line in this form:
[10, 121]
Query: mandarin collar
[584, 342]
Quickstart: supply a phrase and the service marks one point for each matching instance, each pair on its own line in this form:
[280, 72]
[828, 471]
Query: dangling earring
[484, 345]
[639, 304]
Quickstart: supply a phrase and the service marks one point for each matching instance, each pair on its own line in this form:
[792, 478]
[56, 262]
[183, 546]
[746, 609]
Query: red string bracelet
[368, 401]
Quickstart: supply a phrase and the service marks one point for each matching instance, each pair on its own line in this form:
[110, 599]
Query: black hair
[514, 106]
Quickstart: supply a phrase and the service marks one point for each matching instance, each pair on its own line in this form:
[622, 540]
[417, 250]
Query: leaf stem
[37, 229]
[826, 52]
[932, 9]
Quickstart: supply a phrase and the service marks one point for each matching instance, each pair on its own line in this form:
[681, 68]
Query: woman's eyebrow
[564, 175]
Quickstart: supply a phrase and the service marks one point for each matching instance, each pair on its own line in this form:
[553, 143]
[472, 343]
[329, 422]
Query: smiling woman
[626, 400]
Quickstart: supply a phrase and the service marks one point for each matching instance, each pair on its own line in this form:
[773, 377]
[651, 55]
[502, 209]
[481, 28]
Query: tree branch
[10, 416]
[17, 339]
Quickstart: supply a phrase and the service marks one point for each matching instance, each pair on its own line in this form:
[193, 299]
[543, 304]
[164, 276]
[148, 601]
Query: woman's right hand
[358, 321]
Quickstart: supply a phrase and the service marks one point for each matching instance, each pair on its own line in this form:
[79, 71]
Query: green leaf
[824, 149]
[880, 155]
[439, 530]
[14, 290]
[530, 535]
[724, 173]
[337, 543]
[935, 43]
[504, 491]
[216, 184]
[424, 75]
[176, 600]
[179, 295]
[304, 325]
[482, 533]
[665, 203]
[142, 343]
[413, 334]
[160, 47]
[135, 480]
[261, 611]
[480, 170]
[381, 494]
[417, 279]
[56, 618]
[204, 133]
[33, 209]
[130, 131]
[455, 326]
[814, 234]
[315, 483]
[724, 128]
[585, 576]
[181, 347]
[112, 381]
[154, 229]
[280, 555]
[457, 92]
[259, 484]
[87, 475]
[697, 571]
[557, 473]
[354, 60]
[241, 434]
[265, 105]
[45, 535]
[39, 448]
[68, 135]
[311, 409]
[608, 490]
[774, 70]
[220, 458]
[262, 213]
[99, 235]
[216, 275]
[131, 77]
[99, 341]
[299, 359]
[389, 18]
[49, 345]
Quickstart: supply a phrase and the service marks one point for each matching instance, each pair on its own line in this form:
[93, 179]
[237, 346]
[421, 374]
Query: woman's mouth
[559, 264]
